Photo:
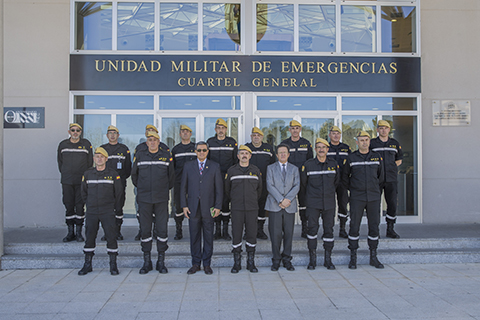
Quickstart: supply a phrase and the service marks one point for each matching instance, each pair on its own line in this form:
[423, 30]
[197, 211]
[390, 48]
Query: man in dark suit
[201, 199]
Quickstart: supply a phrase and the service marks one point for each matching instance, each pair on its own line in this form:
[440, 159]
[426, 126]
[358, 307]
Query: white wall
[36, 43]
[450, 70]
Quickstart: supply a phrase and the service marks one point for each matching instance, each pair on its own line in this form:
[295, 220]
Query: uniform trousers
[225, 212]
[280, 226]
[342, 200]
[357, 208]
[328, 220]
[302, 206]
[179, 216]
[92, 222]
[124, 196]
[201, 223]
[72, 199]
[247, 218]
[390, 190]
[261, 203]
[150, 212]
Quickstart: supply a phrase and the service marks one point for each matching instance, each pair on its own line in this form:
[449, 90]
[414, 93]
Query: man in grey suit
[283, 184]
[201, 196]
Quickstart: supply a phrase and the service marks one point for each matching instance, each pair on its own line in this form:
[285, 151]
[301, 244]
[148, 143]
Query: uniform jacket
[339, 153]
[181, 154]
[73, 159]
[206, 189]
[362, 175]
[262, 157]
[320, 180]
[279, 188]
[153, 175]
[243, 186]
[390, 151]
[102, 192]
[300, 151]
[119, 159]
[223, 152]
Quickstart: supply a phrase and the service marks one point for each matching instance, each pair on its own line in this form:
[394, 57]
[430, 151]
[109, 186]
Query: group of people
[216, 180]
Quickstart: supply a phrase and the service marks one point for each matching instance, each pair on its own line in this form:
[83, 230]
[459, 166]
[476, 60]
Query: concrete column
[1, 131]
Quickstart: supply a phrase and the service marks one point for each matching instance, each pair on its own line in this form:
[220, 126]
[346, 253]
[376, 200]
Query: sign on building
[451, 112]
[24, 118]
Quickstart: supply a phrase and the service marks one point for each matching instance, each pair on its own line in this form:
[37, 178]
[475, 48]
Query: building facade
[253, 63]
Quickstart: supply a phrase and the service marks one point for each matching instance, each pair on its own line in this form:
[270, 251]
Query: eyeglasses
[202, 150]
[75, 130]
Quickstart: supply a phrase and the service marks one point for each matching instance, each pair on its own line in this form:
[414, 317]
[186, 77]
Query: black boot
[260, 233]
[287, 263]
[218, 230]
[119, 233]
[178, 230]
[374, 260]
[113, 263]
[313, 259]
[71, 233]
[225, 234]
[390, 232]
[138, 236]
[147, 263]
[103, 238]
[328, 260]
[343, 233]
[87, 266]
[237, 262]
[304, 229]
[353, 259]
[160, 267]
[79, 233]
[251, 262]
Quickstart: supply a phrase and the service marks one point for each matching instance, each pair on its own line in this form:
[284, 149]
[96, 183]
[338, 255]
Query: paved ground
[401, 291]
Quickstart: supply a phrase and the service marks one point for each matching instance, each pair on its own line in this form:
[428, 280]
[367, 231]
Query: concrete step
[262, 259]
[42, 248]
[223, 246]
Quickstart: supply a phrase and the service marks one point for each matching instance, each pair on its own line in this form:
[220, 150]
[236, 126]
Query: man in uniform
[153, 175]
[103, 192]
[143, 142]
[243, 184]
[363, 175]
[283, 184]
[392, 154]
[262, 156]
[201, 193]
[320, 177]
[300, 151]
[143, 146]
[119, 160]
[339, 152]
[223, 150]
[181, 154]
[74, 157]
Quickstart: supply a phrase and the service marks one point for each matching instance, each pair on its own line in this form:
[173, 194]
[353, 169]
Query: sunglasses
[202, 150]
[75, 130]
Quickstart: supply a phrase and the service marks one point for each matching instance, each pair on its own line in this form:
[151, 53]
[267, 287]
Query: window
[375, 27]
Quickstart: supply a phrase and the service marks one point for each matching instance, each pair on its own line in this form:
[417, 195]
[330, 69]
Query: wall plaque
[451, 112]
[23, 118]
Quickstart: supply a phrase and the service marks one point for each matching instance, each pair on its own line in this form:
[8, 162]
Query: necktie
[201, 168]
[284, 170]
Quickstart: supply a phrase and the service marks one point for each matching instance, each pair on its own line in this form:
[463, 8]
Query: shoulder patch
[303, 168]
